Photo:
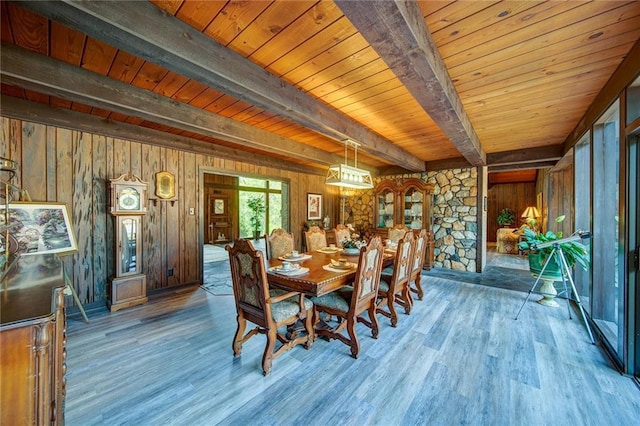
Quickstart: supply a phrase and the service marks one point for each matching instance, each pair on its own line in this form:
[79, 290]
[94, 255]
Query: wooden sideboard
[32, 342]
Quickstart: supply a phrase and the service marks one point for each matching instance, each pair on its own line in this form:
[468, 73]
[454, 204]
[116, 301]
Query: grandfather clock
[128, 205]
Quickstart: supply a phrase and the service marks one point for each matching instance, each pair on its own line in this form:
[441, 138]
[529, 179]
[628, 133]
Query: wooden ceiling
[418, 84]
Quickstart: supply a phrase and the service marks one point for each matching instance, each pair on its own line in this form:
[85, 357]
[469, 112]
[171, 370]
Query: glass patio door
[634, 248]
[633, 219]
[608, 279]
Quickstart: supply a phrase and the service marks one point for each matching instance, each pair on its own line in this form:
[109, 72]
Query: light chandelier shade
[349, 176]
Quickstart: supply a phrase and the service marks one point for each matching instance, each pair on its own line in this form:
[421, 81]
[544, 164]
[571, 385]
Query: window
[274, 196]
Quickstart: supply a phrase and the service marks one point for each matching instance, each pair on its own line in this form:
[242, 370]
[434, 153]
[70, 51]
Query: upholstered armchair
[279, 243]
[343, 233]
[316, 238]
[397, 232]
[348, 306]
[269, 309]
[418, 263]
[395, 287]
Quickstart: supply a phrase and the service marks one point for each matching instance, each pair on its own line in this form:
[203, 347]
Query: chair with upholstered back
[397, 232]
[279, 243]
[395, 287]
[343, 233]
[269, 309]
[348, 306]
[316, 238]
[418, 263]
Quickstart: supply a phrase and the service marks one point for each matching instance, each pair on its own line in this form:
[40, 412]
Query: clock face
[129, 199]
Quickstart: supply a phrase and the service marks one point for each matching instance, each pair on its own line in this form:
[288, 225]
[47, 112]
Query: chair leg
[267, 357]
[391, 301]
[355, 343]
[375, 327]
[419, 287]
[408, 300]
[309, 322]
[239, 337]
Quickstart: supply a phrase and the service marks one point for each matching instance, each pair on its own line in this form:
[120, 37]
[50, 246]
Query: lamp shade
[531, 212]
[348, 177]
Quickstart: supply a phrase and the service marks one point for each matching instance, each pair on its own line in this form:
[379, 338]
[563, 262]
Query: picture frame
[314, 206]
[40, 228]
[165, 185]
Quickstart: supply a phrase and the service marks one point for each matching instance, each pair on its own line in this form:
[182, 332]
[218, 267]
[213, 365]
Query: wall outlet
[192, 211]
[170, 272]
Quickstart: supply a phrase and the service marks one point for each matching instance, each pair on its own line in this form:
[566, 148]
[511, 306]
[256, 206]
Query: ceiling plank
[29, 70]
[39, 113]
[397, 31]
[144, 30]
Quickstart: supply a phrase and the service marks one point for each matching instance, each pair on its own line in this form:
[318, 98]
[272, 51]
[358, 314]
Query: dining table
[319, 275]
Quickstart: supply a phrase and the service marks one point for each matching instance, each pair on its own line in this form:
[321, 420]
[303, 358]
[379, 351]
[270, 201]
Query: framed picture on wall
[314, 206]
[40, 228]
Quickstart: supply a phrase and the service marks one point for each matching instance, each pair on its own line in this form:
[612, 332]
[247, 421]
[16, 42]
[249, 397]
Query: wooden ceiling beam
[144, 30]
[397, 32]
[522, 166]
[449, 163]
[523, 156]
[40, 113]
[533, 158]
[29, 70]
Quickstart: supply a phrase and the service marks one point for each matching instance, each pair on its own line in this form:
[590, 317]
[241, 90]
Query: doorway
[227, 216]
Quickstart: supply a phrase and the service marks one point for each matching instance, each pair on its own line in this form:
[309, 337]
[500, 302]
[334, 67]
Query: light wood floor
[459, 358]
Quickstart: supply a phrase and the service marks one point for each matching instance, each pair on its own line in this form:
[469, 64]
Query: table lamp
[530, 215]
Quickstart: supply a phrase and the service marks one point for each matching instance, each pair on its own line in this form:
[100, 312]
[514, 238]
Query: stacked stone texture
[455, 215]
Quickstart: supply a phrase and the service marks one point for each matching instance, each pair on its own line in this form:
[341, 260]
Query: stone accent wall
[455, 217]
[358, 208]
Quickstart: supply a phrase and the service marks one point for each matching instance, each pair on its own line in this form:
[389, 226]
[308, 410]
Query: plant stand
[549, 292]
[566, 277]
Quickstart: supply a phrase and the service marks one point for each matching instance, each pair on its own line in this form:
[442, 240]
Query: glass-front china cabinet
[404, 202]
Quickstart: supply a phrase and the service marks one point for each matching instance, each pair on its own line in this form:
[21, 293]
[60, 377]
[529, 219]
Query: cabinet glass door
[413, 208]
[385, 209]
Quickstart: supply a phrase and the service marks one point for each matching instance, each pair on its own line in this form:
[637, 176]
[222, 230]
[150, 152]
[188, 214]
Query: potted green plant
[257, 207]
[573, 251]
[506, 217]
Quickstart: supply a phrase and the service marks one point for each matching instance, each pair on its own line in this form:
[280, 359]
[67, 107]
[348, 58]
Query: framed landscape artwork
[40, 227]
[314, 206]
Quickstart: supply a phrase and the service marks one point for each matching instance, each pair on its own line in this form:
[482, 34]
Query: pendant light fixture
[347, 176]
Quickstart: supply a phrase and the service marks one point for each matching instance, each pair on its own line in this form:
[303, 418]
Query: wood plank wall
[515, 196]
[73, 167]
[560, 201]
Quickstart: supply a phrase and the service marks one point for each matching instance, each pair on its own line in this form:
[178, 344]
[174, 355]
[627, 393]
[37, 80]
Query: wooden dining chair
[397, 232]
[342, 233]
[418, 263]
[269, 309]
[279, 243]
[348, 306]
[395, 287]
[316, 238]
